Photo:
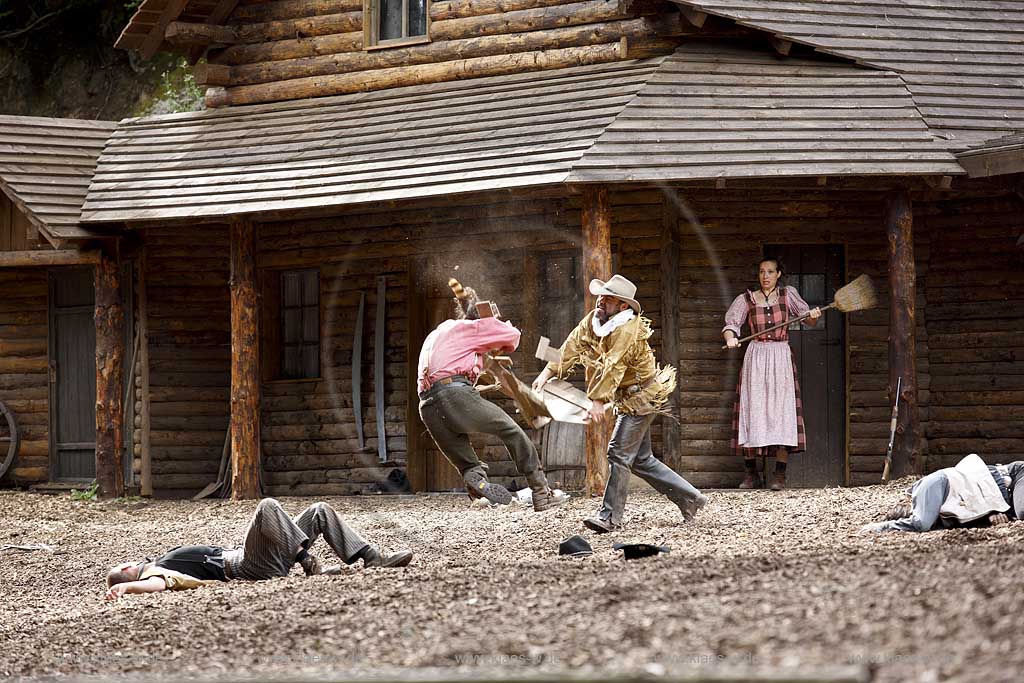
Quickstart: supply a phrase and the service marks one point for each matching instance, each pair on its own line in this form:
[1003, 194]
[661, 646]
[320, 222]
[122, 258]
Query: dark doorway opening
[817, 271]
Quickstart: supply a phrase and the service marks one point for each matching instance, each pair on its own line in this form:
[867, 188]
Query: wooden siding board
[944, 43]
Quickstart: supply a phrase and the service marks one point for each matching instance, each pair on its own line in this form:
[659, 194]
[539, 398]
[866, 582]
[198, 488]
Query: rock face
[66, 66]
[759, 582]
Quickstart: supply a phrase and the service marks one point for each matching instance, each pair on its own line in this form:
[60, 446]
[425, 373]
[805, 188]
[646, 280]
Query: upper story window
[394, 22]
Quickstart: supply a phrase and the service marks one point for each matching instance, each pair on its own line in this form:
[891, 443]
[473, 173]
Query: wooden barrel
[563, 456]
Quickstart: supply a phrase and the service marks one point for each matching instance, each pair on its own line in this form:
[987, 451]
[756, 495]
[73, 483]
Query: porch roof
[963, 60]
[480, 134]
[1000, 156]
[45, 169]
[716, 112]
[704, 112]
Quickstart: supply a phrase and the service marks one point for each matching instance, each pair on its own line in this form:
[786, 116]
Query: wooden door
[441, 475]
[72, 375]
[820, 352]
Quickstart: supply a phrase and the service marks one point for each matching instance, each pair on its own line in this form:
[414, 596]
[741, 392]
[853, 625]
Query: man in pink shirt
[451, 408]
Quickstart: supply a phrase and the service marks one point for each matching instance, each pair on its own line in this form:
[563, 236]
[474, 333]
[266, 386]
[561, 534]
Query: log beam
[902, 330]
[670, 246]
[46, 258]
[588, 12]
[218, 16]
[186, 34]
[110, 351]
[181, 33]
[212, 74]
[293, 9]
[245, 363]
[460, 69]
[460, 9]
[441, 51]
[597, 263]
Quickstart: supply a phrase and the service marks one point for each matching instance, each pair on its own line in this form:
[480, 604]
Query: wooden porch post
[109, 320]
[597, 263]
[669, 276]
[245, 364]
[902, 327]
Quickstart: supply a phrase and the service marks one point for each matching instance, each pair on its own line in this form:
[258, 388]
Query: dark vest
[205, 562]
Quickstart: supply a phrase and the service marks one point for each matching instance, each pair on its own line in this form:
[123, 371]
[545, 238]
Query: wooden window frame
[273, 324]
[371, 27]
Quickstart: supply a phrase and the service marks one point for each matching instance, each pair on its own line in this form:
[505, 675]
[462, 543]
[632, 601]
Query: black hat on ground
[634, 551]
[575, 546]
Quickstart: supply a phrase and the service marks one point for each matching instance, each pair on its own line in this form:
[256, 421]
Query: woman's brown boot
[779, 480]
[753, 478]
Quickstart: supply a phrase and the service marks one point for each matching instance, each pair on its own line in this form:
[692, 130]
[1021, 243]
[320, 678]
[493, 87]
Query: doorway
[72, 354]
[817, 271]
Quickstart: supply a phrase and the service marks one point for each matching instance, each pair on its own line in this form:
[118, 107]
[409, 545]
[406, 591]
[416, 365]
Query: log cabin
[269, 266]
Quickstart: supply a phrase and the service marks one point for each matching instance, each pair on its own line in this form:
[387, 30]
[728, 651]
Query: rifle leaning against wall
[892, 431]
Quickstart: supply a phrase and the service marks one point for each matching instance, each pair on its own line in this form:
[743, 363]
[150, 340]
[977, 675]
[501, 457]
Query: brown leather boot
[779, 480]
[753, 479]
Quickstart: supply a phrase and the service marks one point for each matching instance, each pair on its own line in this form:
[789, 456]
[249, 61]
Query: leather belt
[446, 381]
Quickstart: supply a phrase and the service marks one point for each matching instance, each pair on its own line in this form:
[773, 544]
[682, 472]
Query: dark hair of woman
[778, 266]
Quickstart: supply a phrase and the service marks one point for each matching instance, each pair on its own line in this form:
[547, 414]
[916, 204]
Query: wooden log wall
[282, 49]
[974, 329]
[189, 355]
[718, 261]
[23, 370]
[309, 435]
[23, 352]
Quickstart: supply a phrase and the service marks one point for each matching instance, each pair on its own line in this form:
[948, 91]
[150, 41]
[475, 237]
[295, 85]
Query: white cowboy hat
[618, 287]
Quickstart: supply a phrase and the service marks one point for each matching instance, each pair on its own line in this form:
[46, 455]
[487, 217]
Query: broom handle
[803, 317]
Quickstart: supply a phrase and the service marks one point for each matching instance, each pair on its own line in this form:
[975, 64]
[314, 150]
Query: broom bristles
[859, 295]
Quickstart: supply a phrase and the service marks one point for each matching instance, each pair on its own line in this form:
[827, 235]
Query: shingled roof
[45, 168]
[714, 112]
[481, 134]
[704, 113]
[963, 60]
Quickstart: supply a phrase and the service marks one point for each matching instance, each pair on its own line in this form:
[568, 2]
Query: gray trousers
[274, 539]
[452, 412]
[926, 500]
[630, 451]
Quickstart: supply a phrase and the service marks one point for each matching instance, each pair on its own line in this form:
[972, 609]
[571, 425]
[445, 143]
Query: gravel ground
[760, 582]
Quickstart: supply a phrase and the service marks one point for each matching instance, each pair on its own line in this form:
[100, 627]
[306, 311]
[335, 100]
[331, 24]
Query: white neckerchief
[614, 322]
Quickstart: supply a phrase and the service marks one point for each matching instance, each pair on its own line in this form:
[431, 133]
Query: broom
[858, 295]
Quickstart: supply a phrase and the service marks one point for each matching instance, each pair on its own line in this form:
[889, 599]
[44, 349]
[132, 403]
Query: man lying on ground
[970, 494]
[274, 543]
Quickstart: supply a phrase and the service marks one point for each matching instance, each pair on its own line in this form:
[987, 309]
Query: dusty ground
[761, 582]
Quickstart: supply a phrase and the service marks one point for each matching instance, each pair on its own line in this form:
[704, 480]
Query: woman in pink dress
[767, 417]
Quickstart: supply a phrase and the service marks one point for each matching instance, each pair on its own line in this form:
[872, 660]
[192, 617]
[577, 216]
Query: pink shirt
[455, 347]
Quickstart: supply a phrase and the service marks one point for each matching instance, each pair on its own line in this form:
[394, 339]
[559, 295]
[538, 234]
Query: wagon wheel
[9, 437]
